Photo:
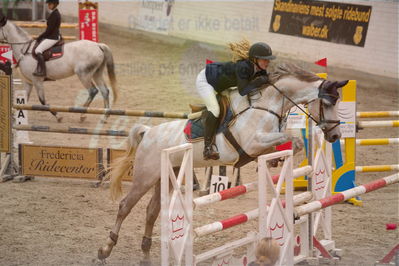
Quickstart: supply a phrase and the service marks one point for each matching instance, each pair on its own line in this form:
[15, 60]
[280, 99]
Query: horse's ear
[342, 83]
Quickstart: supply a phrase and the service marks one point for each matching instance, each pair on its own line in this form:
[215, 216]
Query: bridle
[23, 51]
[7, 42]
[282, 117]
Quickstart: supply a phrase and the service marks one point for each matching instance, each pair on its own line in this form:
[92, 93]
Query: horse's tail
[109, 60]
[123, 165]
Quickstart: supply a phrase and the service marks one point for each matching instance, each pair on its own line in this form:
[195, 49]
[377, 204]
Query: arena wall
[219, 22]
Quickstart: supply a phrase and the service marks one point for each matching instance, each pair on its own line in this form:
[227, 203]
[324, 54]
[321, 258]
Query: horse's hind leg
[153, 210]
[138, 189]
[102, 86]
[40, 93]
[85, 79]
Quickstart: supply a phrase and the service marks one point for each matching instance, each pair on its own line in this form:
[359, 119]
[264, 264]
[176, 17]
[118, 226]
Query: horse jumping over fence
[84, 58]
[257, 128]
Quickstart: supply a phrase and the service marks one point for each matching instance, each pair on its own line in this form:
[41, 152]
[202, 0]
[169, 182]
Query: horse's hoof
[102, 255]
[59, 119]
[103, 121]
[82, 119]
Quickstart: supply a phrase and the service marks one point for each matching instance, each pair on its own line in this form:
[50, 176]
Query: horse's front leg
[267, 140]
[38, 84]
[28, 88]
[271, 139]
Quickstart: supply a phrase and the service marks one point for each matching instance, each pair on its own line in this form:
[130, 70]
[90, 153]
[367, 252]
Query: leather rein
[244, 158]
[282, 118]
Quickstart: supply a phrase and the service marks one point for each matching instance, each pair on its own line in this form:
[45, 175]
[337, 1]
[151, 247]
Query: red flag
[209, 61]
[322, 62]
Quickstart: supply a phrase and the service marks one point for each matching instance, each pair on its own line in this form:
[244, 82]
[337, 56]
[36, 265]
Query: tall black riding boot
[41, 66]
[210, 125]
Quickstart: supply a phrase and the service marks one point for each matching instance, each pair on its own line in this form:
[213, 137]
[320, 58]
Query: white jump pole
[388, 123]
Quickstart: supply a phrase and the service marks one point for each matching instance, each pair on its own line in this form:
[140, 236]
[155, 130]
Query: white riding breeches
[207, 93]
[45, 44]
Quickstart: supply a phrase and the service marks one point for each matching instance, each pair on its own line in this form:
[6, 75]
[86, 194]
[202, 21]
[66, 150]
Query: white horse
[84, 58]
[257, 128]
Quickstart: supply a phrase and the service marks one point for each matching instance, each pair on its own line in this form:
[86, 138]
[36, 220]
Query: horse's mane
[20, 31]
[289, 69]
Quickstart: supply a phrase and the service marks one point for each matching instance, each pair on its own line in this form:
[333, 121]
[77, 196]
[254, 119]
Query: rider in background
[48, 38]
[247, 71]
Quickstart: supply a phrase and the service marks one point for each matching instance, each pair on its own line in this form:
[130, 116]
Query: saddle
[55, 52]
[194, 129]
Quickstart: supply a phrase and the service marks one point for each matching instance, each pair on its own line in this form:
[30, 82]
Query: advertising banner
[5, 114]
[154, 15]
[88, 24]
[334, 22]
[60, 161]
[6, 54]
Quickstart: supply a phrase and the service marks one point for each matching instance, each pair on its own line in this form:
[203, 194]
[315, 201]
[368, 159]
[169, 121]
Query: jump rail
[242, 189]
[377, 168]
[42, 25]
[386, 141]
[369, 142]
[388, 123]
[72, 130]
[377, 114]
[30, 24]
[84, 110]
[245, 217]
[345, 195]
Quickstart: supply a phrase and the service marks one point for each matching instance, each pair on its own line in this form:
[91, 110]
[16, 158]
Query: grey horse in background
[84, 58]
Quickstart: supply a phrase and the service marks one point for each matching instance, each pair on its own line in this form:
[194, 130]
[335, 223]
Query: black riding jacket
[223, 75]
[53, 27]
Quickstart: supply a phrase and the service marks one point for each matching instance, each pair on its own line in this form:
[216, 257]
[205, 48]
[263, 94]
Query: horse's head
[11, 33]
[296, 86]
[323, 109]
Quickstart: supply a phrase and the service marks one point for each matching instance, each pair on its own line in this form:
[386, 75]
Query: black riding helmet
[261, 50]
[52, 2]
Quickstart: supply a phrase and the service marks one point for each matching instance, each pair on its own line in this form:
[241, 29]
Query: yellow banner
[114, 155]
[60, 161]
[5, 114]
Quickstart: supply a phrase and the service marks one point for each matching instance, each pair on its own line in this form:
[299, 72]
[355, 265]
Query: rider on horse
[247, 73]
[48, 38]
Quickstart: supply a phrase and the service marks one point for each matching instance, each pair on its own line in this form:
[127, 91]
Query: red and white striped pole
[345, 195]
[245, 217]
[240, 190]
